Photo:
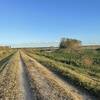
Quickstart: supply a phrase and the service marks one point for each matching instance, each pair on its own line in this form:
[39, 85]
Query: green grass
[84, 75]
[87, 61]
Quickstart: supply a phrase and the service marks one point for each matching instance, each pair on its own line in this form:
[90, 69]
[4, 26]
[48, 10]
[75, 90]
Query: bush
[69, 43]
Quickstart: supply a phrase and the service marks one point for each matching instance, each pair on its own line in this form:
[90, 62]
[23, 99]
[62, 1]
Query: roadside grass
[75, 74]
[4, 57]
[5, 52]
[84, 61]
[64, 92]
[4, 62]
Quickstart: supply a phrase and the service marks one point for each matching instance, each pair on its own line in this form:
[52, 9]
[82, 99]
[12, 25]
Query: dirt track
[24, 83]
[35, 82]
[51, 87]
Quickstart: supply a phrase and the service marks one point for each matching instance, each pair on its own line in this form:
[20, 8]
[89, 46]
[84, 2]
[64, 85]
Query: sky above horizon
[28, 21]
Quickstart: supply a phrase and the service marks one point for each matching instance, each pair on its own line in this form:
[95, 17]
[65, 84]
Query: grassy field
[5, 55]
[82, 67]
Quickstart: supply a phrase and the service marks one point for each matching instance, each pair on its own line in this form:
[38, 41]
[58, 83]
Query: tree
[69, 43]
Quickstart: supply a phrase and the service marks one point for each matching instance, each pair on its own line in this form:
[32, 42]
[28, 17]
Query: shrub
[69, 43]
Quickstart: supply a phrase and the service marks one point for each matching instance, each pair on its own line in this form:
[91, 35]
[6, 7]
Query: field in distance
[50, 74]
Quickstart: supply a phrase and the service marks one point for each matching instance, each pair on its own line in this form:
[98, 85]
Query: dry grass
[83, 80]
[9, 83]
[48, 87]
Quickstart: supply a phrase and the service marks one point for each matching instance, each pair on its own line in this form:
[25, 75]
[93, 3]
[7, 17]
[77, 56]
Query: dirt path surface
[26, 79]
[45, 79]
[46, 85]
[9, 84]
[24, 83]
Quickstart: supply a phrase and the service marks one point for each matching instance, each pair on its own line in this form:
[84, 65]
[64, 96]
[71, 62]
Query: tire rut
[46, 77]
[25, 83]
[47, 85]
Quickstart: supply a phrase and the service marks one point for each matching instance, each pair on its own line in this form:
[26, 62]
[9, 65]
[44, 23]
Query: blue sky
[27, 21]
